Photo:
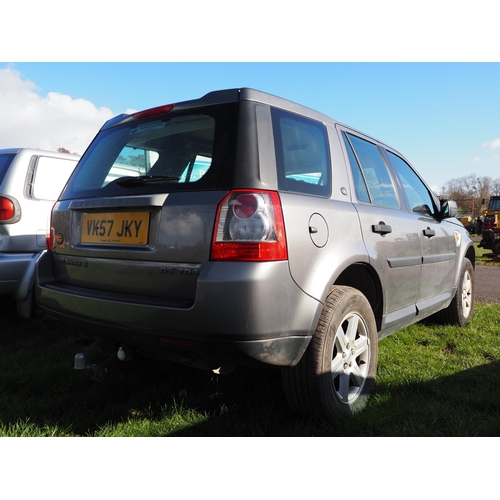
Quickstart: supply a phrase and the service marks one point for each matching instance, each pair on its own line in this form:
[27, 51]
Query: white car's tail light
[7, 209]
[249, 226]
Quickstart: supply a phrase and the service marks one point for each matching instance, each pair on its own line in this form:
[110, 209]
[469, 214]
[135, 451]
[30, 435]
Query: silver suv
[30, 182]
[245, 229]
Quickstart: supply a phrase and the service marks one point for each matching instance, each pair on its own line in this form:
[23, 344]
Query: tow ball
[93, 372]
[98, 372]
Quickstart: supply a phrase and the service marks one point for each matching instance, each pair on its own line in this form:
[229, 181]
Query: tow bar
[98, 372]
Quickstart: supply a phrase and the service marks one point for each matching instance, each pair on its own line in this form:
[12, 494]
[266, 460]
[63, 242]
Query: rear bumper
[17, 274]
[243, 314]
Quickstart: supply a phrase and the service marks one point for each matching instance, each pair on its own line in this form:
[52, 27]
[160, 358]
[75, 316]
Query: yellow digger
[491, 226]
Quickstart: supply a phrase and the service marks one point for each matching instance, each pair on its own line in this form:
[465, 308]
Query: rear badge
[68, 261]
[185, 270]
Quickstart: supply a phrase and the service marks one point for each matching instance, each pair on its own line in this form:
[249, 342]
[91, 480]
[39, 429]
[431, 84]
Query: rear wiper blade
[145, 179]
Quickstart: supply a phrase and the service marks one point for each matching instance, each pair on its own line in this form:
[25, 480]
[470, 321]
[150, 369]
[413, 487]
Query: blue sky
[423, 77]
[444, 117]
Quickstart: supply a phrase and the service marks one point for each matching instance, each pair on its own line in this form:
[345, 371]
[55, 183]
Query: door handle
[381, 228]
[429, 232]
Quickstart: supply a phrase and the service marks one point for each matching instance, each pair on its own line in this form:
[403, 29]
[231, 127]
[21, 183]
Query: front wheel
[335, 377]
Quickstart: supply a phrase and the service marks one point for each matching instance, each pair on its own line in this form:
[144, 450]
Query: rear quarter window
[302, 154]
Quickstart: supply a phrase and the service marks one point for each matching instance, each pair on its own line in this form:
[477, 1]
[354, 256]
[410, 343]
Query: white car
[30, 182]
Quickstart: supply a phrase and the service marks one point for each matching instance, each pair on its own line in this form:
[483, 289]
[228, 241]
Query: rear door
[391, 234]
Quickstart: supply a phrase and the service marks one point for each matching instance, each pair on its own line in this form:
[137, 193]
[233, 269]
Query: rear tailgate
[149, 246]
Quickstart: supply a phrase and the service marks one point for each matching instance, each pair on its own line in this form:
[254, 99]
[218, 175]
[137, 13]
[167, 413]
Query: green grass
[432, 381]
[485, 257]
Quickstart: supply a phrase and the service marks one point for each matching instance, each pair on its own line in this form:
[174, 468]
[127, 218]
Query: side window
[302, 154]
[359, 180]
[416, 192]
[50, 177]
[375, 172]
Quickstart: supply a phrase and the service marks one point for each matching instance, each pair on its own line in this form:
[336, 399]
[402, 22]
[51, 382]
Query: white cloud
[492, 158]
[435, 189]
[495, 144]
[57, 120]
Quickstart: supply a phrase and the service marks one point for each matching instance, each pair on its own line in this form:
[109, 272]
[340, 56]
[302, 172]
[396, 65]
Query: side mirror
[448, 209]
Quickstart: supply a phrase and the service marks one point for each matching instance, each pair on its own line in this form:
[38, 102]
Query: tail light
[50, 233]
[50, 239]
[249, 227]
[7, 209]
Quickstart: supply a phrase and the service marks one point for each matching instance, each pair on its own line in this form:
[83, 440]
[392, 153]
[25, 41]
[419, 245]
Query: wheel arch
[365, 279]
[471, 255]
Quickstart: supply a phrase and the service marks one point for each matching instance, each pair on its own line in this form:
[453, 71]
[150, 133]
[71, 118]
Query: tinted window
[5, 161]
[494, 205]
[375, 172]
[178, 151]
[302, 154]
[418, 196]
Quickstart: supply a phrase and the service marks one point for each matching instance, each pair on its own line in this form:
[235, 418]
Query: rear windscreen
[185, 150]
[5, 161]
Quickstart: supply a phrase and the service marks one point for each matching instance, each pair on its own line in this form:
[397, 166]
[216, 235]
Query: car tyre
[461, 307]
[495, 247]
[335, 377]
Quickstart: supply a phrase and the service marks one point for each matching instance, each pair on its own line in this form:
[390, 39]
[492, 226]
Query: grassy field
[484, 257]
[432, 381]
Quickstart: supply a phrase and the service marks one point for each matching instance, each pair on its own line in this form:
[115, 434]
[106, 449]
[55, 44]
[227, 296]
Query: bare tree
[64, 150]
[468, 188]
[495, 187]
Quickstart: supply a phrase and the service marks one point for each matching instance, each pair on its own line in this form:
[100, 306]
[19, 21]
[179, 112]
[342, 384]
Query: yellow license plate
[127, 228]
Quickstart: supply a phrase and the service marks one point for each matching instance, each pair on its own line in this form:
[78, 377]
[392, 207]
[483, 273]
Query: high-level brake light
[148, 113]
